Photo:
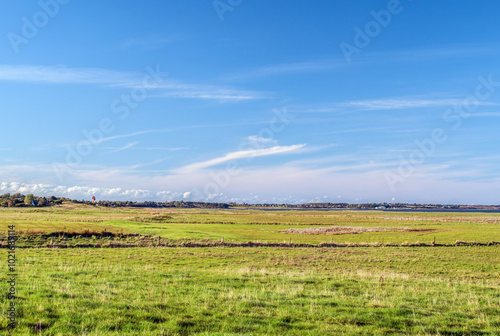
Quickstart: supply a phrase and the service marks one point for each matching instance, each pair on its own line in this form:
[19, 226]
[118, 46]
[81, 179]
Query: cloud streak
[332, 63]
[289, 68]
[403, 103]
[167, 88]
[120, 136]
[389, 104]
[151, 42]
[127, 146]
[240, 155]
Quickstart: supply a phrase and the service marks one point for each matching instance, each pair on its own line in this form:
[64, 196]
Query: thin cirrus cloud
[447, 51]
[127, 135]
[485, 114]
[133, 144]
[166, 87]
[127, 146]
[152, 41]
[151, 131]
[336, 63]
[208, 93]
[61, 74]
[260, 141]
[401, 103]
[147, 164]
[396, 104]
[250, 139]
[163, 148]
[240, 155]
[288, 68]
[120, 136]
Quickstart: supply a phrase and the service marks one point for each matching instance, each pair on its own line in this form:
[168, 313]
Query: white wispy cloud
[258, 141]
[368, 58]
[207, 92]
[127, 135]
[151, 131]
[396, 103]
[152, 42]
[429, 54]
[312, 66]
[403, 103]
[142, 165]
[163, 86]
[240, 155]
[288, 68]
[163, 148]
[484, 114]
[62, 74]
[127, 146]
[148, 148]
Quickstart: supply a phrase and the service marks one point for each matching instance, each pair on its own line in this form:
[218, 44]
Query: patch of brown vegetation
[339, 230]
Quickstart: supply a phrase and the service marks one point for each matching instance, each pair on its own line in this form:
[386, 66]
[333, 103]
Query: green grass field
[376, 290]
[244, 225]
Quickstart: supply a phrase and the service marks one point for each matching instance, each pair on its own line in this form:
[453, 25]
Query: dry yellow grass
[338, 230]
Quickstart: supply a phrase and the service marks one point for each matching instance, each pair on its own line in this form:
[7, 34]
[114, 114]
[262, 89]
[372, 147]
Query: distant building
[93, 199]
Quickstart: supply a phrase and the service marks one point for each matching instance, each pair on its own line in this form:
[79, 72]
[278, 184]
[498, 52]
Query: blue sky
[254, 101]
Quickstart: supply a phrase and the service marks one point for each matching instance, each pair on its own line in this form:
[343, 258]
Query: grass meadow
[394, 288]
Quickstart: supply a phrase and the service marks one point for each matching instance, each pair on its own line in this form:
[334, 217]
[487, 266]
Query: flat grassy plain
[376, 290]
[255, 225]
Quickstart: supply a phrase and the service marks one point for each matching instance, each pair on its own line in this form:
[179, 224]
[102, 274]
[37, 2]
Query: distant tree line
[358, 206]
[153, 204]
[20, 200]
